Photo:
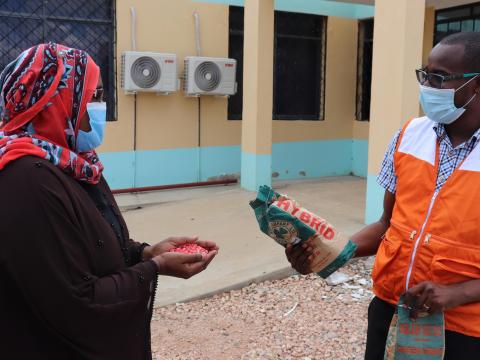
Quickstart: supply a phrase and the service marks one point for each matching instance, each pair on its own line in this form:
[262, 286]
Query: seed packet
[422, 339]
[285, 221]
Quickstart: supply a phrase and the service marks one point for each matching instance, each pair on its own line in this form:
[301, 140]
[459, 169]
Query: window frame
[360, 102]
[472, 16]
[46, 18]
[319, 86]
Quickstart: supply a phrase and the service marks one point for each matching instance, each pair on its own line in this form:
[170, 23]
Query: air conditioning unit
[210, 76]
[149, 72]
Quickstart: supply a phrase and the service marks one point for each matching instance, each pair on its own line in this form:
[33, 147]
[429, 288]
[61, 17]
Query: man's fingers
[421, 302]
[415, 299]
[295, 254]
[413, 293]
[305, 268]
[302, 260]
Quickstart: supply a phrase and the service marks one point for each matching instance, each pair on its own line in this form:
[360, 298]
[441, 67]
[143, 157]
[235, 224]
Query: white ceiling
[439, 4]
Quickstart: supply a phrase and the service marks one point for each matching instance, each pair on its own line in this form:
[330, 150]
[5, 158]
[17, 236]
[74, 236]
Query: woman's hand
[183, 265]
[180, 265]
[173, 242]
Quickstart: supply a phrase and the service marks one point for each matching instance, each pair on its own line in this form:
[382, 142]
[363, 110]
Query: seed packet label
[422, 339]
[285, 221]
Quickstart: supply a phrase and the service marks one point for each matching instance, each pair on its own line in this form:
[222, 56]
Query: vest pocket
[451, 271]
[383, 273]
[452, 251]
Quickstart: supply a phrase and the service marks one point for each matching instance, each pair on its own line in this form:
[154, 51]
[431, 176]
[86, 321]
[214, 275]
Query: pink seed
[190, 249]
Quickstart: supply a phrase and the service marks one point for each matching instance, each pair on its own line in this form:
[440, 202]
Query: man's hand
[173, 242]
[431, 298]
[300, 257]
[183, 265]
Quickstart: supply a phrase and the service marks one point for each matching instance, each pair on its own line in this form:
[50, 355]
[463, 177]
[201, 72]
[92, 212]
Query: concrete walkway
[222, 214]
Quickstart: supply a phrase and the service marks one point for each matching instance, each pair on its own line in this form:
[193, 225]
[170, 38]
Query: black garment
[67, 288]
[108, 209]
[380, 313]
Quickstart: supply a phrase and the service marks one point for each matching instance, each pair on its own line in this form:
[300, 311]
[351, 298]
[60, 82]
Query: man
[428, 239]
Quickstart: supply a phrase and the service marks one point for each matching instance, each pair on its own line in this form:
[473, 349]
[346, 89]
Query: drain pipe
[133, 28]
[198, 46]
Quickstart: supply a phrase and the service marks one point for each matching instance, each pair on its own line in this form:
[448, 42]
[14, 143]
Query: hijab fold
[43, 96]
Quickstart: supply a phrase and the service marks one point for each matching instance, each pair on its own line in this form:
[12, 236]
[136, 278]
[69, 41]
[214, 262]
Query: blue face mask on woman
[439, 104]
[87, 141]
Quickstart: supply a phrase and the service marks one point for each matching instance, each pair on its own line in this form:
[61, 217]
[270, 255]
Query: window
[452, 20]
[83, 24]
[364, 69]
[299, 65]
[235, 51]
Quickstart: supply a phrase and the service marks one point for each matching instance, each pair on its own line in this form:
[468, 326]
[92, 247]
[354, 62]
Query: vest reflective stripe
[435, 241]
[472, 163]
[419, 140]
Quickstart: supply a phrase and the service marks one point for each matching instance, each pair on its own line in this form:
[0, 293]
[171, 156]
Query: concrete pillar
[257, 94]
[429, 33]
[397, 52]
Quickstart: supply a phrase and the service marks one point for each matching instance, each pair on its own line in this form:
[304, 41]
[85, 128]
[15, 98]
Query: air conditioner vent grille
[208, 76]
[146, 72]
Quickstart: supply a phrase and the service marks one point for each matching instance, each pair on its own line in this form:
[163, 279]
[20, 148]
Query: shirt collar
[442, 134]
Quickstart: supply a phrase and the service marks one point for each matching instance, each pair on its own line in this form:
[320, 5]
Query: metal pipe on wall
[175, 186]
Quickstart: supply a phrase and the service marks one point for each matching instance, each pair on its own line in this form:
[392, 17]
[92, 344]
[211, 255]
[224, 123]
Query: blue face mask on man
[87, 141]
[439, 104]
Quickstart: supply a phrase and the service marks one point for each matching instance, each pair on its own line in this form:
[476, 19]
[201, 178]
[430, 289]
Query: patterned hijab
[43, 96]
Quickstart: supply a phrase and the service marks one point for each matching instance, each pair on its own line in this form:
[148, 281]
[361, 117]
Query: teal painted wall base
[125, 170]
[360, 157]
[374, 201]
[289, 161]
[256, 170]
[312, 159]
[119, 169]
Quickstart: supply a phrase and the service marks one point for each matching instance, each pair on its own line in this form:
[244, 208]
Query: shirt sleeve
[136, 249]
[387, 177]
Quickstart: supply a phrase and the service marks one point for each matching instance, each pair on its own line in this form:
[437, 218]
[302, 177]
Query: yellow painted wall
[360, 130]
[171, 121]
[429, 31]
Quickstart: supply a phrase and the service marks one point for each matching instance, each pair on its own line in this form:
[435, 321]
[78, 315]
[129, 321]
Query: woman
[73, 285]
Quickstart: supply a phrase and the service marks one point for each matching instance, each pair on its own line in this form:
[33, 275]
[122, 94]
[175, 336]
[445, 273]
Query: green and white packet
[287, 222]
[422, 339]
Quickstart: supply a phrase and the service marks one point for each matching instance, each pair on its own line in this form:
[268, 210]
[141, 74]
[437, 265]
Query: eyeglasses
[437, 80]
[98, 95]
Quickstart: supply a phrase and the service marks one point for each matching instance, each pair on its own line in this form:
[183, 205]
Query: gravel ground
[301, 317]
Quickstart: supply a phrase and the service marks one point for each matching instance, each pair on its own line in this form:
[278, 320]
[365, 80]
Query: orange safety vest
[433, 236]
